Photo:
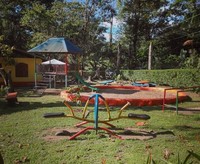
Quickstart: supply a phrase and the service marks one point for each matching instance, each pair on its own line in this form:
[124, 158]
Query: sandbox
[117, 95]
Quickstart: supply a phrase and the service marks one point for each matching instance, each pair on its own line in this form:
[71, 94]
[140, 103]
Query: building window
[21, 70]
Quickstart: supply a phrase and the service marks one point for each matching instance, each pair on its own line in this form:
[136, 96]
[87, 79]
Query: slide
[80, 79]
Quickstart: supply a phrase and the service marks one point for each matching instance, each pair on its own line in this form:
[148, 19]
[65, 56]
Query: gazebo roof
[56, 45]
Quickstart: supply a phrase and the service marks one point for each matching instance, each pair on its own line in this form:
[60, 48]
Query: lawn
[24, 134]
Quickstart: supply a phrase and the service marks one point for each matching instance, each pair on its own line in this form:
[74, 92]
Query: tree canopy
[166, 24]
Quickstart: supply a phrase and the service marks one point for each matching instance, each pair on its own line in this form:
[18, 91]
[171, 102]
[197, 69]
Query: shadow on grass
[25, 106]
[171, 108]
[149, 135]
[188, 109]
[186, 128]
[128, 133]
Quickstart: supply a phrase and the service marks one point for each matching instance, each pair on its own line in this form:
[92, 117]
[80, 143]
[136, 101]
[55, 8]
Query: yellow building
[23, 71]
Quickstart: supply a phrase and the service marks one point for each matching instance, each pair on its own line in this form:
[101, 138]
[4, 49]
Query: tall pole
[111, 28]
[150, 56]
[66, 69]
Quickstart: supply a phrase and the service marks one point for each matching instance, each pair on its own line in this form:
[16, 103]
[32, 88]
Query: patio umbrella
[57, 46]
[53, 62]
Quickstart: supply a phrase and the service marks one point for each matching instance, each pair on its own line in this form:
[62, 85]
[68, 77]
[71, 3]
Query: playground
[100, 82]
[114, 117]
[34, 135]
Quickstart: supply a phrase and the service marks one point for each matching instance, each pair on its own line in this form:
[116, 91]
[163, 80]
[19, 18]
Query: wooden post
[80, 65]
[35, 71]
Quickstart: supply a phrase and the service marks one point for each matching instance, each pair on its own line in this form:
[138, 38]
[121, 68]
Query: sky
[116, 24]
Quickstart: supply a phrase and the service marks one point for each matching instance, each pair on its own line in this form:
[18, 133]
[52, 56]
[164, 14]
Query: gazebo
[56, 46]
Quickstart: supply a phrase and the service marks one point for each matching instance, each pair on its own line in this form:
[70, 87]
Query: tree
[95, 48]
[183, 26]
[5, 53]
[142, 22]
[12, 34]
[10, 27]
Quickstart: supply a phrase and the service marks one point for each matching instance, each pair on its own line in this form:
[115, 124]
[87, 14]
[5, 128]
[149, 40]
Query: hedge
[171, 77]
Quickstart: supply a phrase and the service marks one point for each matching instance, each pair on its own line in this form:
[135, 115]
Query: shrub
[172, 77]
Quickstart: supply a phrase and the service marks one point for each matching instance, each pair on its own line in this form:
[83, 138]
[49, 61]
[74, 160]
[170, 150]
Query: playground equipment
[151, 96]
[143, 83]
[80, 79]
[180, 94]
[96, 120]
[106, 82]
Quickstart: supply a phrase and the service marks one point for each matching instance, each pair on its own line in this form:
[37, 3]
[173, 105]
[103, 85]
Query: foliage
[172, 77]
[167, 24]
[79, 22]
[192, 62]
[58, 19]
[187, 158]
[6, 52]
[143, 20]
[11, 13]
[3, 91]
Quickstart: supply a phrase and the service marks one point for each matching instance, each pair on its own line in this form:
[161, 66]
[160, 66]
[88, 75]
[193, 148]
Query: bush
[172, 77]
[3, 91]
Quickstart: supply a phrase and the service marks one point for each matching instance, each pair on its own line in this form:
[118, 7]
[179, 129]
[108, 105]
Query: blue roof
[56, 45]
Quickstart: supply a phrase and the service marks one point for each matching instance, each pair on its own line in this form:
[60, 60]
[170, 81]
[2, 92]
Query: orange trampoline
[116, 95]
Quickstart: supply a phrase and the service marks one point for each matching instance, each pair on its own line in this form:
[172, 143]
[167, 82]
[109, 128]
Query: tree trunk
[10, 83]
[118, 58]
[111, 28]
[7, 79]
[4, 76]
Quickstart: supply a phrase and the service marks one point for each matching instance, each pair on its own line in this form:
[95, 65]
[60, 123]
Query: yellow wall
[31, 68]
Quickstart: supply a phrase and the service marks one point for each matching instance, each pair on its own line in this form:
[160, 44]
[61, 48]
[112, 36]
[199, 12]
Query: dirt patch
[128, 93]
[127, 133]
[50, 134]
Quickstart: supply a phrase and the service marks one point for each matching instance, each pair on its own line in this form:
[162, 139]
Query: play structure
[143, 83]
[106, 82]
[56, 47]
[179, 91]
[80, 79]
[96, 120]
[116, 95]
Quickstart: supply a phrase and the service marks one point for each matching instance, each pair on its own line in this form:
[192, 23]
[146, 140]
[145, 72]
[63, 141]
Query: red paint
[134, 101]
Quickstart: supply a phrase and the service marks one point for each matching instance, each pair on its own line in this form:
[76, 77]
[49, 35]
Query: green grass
[22, 130]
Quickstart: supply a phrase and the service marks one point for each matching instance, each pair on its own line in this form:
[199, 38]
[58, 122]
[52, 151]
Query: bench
[11, 98]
